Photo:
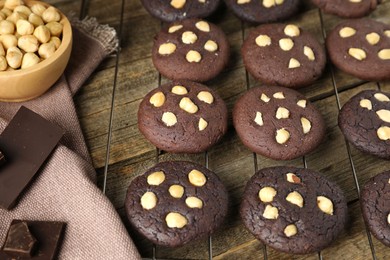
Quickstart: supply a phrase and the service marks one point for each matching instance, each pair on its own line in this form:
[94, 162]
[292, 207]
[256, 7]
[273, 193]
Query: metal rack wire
[84, 11]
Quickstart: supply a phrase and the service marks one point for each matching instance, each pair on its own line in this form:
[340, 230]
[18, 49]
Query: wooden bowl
[25, 84]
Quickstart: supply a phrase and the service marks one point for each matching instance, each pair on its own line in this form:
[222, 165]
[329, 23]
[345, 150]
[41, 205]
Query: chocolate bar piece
[48, 235]
[27, 141]
[20, 241]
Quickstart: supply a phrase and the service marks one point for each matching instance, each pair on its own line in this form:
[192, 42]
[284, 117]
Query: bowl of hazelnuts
[35, 46]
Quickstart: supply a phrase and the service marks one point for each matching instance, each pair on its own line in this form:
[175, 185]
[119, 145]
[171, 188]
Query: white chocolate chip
[175, 28]
[309, 53]
[388, 219]
[193, 56]
[373, 38]
[292, 30]
[179, 90]
[357, 53]
[291, 177]
[306, 125]
[176, 191]
[355, 1]
[187, 105]
[302, 103]
[270, 212]
[167, 48]
[346, 32]
[325, 205]
[211, 46]
[206, 97]
[175, 220]
[158, 99]
[259, 119]
[381, 97]
[197, 178]
[189, 37]
[290, 230]
[265, 98]
[293, 63]
[263, 40]
[279, 2]
[383, 133]
[267, 194]
[286, 44]
[202, 1]
[194, 202]
[268, 3]
[384, 115]
[203, 26]
[156, 178]
[282, 136]
[282, 113]
[169, 119]
[295, 198]
[279, 95]
[384, 54]
[178, 4]
[149, 200]
[240, 2]
[387, 33]
[365, 103]
[202, 124]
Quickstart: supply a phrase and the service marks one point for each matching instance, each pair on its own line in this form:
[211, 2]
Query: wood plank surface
[131, 154]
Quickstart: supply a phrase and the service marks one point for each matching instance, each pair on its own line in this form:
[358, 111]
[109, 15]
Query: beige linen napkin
[65, 188]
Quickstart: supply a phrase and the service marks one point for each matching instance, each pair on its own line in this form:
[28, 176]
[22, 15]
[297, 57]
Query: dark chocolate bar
[48, 235]
[27, 141]
[20, 241]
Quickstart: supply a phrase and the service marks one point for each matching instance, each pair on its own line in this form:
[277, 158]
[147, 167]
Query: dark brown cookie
[293, 210]
[365, 122]
[361, 48]
[263, 11]
[182, 117]
[375, 203]
[284, 55]
[191, 49]
[174, 203]
[347, 8]
[278, 122]
[174, 10]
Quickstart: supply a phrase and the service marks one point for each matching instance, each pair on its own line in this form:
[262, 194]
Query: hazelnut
[290, 230]
[381, 97]
[176, 191]
[28, 43]
[51, 15]
[42, 33]
[156, 178]
[206, 97]
[14, 57]
[292, 30]
[295, 198]
[373, 38]
[29, 59]
[193, 56]
[187, 105]
[202, 124]
[302, 103]
[38, 9]
[306, 125]
[384, 54]
[194, 202]
[16, 16]
[35, 20]
[175, 28]
[3, 63]
[263, 40]
[46, 50]
[365, 103]
[291, 177]
[203, 26]
[175, 220]
[197, 178]
[271, 212]
[178, 4]
[282, 113]
[286, 44]
[167, 48]
[265, 98]
[56, 41]
[384, 115]
[6, 11]
[55, 28]
[383, 133]
[347, 32]
[157, 99]
[179, 90]
[189, 37]
[259, 118]
[7, 27]
[2, 51]
[24, 27]
[11, 4]
[279, 95]
[169, 119]
[23, 9]
[149, 200]
[8, 41]
[309, 53]
[282, 136]
[325, 205]
[293, 63]
[211, 46]
[357, 53]
[267, 194]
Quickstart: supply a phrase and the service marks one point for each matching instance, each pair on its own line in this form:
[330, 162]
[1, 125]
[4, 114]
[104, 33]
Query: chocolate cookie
[173, 10]
[365, 122]
[263, 11]
[347, 8]
[285, 55]
[182, 117]
[293, 210]
[278, 122]
[176, 202]
[361, 48]
[375, 203]
[191, 49]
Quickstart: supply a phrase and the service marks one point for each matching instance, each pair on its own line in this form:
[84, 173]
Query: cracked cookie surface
[293, 210]
[347, 8]
[174, 203]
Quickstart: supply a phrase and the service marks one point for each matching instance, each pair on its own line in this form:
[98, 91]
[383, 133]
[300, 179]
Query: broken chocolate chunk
[48, 235]
[27, 141]
[20, 242]
[2, 158]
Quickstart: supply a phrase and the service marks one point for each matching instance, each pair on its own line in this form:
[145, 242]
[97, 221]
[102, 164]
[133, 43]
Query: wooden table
[107, 108]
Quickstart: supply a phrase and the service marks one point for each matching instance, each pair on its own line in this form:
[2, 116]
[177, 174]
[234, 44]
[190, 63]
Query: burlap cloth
[65, 188]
